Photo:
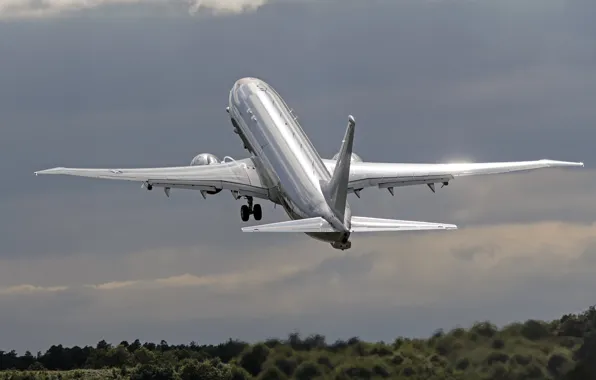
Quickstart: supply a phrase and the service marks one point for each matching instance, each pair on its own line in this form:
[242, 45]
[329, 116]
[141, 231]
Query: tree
[253, 359]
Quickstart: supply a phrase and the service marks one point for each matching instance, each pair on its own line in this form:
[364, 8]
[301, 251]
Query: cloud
[217, 282]
[30, 289]
[43, 8]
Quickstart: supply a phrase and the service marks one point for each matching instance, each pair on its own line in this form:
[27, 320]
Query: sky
[141, 83]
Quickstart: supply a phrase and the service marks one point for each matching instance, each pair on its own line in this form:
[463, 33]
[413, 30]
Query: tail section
[359, 224]
[337, 188]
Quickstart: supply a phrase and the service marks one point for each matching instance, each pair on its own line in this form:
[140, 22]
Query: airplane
[285, 168]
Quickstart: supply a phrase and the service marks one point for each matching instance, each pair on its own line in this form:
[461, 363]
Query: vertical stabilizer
[337, 189]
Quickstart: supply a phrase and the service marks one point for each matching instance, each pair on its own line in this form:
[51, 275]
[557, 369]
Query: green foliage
[562, 349]
[252, 360]
[272, 373]
[307, 370]
[152, 372]
[535, 330]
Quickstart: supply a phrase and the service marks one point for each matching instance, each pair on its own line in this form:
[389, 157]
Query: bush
[286, 365]
[207, 370]
[556, 363]
[325, 361]
[253, 359]
[36, 366]
[484, 329]
[381, 350]
[355, 372]
[152, 372]
[238, 373]
[307, 371]
[462, 364]
[498, 344]
[497, 357]
[458, 332]
[522, 359]
[381, 371]
[534, 330]
[408, 371]
[397, 359]
[272, 373]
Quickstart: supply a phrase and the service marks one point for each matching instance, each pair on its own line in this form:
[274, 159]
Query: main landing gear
[247, 210]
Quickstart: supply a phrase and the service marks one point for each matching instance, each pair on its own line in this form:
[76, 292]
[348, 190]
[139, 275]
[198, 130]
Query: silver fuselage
[289, 161]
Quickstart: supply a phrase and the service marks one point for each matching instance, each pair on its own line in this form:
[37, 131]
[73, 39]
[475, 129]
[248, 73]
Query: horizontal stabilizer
[364, 224]
[317, 224]
[359, 224]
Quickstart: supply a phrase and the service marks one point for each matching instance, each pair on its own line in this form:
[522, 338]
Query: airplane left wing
[241, 176]
[390, 175]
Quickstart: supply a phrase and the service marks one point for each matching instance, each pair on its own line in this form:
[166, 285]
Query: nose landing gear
[247, 210]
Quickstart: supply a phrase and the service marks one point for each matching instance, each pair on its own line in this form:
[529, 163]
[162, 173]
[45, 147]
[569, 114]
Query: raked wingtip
[48, 171]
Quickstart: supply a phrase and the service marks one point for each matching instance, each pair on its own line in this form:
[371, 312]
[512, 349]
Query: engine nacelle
[354, 158]
[205, 159]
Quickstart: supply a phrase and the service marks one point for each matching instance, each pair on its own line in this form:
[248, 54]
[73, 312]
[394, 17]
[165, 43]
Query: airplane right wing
[241, 177]
[390, 175]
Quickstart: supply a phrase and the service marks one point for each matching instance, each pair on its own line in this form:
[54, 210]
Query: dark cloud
[426, 81]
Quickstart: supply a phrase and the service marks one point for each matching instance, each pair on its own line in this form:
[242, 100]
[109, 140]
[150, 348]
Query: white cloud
[30, 289]
[44, 8]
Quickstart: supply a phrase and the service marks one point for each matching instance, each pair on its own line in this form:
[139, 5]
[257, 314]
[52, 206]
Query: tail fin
[337, 188]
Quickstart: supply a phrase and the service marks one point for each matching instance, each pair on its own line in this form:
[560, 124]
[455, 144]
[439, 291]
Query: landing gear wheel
[257, 212]
[244, 213]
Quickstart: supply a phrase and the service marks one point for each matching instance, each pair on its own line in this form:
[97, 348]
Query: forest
[560, 349]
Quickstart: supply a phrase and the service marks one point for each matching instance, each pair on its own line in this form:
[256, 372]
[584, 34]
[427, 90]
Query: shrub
[555, 363]
[397, 359]
[253, 359]
[497, 357]
[498, 344]
[325, 361]
[462, 364]
[152, 372]
[307, 371]
[381, 371]
[408, 371]
[272, 373]
[485, 329]
[286, 365]
[534, 330]
[522, 359]
[381, 350]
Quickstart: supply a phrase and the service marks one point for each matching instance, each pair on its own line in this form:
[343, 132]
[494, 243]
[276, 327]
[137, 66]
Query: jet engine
[206, 159]
[354, 158]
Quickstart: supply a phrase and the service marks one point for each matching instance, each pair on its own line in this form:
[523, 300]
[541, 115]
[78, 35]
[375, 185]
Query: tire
[244, 213]
[257, 212]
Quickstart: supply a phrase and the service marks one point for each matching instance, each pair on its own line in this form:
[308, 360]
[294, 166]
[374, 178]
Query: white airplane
[286, 169]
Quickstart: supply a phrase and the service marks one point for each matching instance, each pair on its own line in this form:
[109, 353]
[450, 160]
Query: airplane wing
[241, 176]
[390, 175]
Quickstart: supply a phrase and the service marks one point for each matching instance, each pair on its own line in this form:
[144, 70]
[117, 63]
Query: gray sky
[145, 83]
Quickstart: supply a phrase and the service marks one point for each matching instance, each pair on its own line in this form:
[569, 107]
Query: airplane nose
[244, 81]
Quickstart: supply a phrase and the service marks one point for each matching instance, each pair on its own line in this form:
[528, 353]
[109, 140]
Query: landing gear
[247, 210]
[257, 212]
[244, 213]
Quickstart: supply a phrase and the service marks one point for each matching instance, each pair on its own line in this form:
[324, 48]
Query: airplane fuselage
[290, 162]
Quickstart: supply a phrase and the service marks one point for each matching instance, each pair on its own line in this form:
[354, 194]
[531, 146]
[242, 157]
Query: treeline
[560, 349]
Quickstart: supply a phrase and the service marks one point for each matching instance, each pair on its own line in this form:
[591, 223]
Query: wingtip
[49, 171]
